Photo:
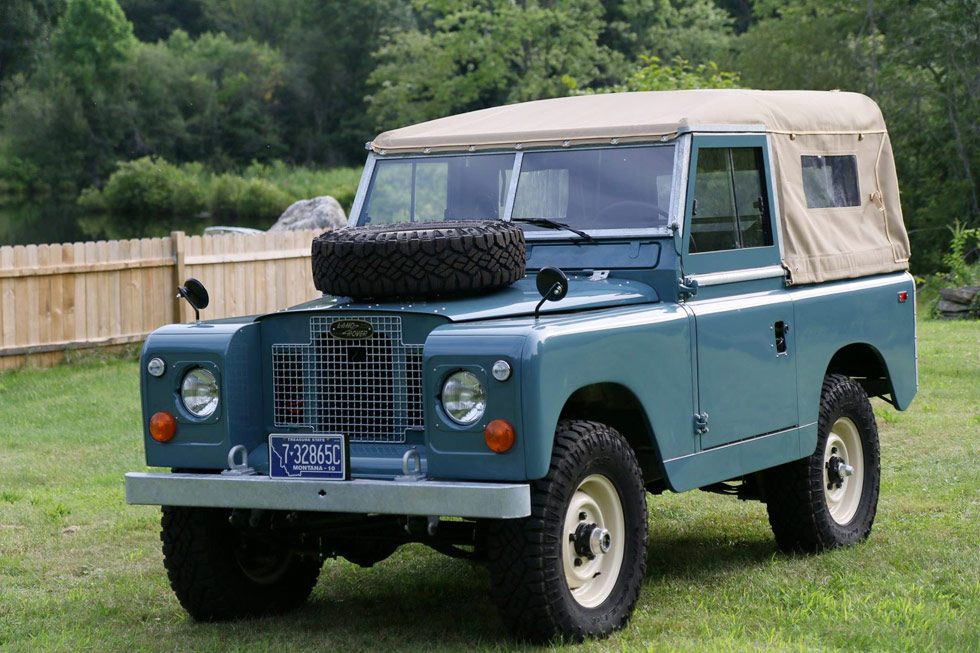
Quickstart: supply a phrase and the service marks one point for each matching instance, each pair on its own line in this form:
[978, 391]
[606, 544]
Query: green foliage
[145, 186]
[154, 20]
[919, 62]
[651, 75]
[26, 26]
[151, 186]
[959, 271]
[91, 39]
[469, 55]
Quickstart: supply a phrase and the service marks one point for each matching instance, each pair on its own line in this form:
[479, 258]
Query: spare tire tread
[422, 259]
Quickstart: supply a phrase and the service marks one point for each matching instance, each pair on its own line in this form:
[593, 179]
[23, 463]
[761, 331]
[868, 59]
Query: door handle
[780, 330]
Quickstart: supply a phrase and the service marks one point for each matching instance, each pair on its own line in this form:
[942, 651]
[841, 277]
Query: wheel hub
[591, 540]
[837, 470]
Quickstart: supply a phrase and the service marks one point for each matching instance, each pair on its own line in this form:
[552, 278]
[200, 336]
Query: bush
[153, 187]
[144, 187]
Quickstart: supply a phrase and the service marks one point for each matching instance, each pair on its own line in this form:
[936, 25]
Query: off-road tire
[526, 556]
[419, 260]
[199, 552]
[798, 509]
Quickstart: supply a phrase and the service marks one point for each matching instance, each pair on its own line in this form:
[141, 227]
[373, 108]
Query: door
[746, 363]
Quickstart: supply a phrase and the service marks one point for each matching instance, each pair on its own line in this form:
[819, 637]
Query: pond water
[49, 220]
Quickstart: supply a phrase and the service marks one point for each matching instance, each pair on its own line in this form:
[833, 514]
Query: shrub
[143, 187]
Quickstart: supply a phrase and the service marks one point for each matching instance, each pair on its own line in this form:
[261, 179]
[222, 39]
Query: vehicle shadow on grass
[415, 598]
[707, 557]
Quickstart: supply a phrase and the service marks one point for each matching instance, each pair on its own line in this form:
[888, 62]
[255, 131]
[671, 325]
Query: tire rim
[591, 581]
[842, 492]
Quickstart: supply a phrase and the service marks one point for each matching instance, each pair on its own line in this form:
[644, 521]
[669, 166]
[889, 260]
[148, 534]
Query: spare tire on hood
[419, 259]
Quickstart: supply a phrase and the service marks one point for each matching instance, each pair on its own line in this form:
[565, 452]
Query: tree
[91, 39]
[155, 20]
[651, 75]
[470, 55]
[26, 26]
[919, 61]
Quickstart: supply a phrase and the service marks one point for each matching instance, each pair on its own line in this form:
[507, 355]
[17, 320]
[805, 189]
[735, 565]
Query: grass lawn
[81, 570]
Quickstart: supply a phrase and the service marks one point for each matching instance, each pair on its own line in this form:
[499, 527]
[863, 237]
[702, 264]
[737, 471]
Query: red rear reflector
[903, 297]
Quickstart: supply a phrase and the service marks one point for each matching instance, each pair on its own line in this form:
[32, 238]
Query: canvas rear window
[830, 181]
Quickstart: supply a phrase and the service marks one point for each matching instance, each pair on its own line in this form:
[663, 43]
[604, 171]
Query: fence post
[181, 310]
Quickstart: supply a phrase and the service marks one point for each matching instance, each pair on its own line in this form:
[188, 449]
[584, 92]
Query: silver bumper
[424, 497]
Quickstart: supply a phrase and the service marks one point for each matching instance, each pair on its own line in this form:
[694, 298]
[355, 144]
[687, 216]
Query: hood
[513, 301]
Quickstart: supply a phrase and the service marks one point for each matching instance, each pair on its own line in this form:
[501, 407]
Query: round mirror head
[196, 294]
[548, 278]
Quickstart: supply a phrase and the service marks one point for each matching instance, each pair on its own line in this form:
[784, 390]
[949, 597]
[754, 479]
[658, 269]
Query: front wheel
[829, 499]
[218, 572]
[575, 566]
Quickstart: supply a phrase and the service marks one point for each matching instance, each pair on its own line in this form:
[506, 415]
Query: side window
[830, 181]
[730, 209]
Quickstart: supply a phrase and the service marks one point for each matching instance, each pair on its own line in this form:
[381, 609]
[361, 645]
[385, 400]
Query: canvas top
[636, 117]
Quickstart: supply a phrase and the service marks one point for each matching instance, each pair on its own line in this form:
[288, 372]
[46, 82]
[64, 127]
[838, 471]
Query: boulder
[322, 213]
[959, 295]
[952, 307]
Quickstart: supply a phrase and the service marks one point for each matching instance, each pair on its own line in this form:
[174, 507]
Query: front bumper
[362, 496]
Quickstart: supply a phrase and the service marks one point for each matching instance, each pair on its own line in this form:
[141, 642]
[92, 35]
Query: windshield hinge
[700, 423]
[687, 287]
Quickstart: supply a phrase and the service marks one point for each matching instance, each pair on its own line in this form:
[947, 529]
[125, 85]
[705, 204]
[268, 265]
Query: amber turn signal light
[163, 427]
[499, 435]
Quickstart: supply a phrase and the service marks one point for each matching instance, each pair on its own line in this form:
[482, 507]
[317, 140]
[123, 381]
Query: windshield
[589, 189]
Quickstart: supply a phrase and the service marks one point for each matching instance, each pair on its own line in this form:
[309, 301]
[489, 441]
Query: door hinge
[700, 423]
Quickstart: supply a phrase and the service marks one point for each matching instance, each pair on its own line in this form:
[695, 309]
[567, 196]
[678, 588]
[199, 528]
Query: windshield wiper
[552, 224]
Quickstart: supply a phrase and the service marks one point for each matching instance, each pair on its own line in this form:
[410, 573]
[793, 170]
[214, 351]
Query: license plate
[307, 456]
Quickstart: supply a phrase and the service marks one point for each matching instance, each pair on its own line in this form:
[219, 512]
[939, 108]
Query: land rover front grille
[369, 389]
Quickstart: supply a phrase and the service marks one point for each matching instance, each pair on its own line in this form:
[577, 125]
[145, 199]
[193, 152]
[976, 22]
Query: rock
[952, 307]
[960, 295]
[220, 230]
[320, 213]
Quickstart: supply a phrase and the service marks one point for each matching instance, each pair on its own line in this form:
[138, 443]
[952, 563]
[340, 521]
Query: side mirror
[196, 295]
[552, 285]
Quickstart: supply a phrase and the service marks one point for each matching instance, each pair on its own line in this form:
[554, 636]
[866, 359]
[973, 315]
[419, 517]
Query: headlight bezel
[464, 378]
[211, 407]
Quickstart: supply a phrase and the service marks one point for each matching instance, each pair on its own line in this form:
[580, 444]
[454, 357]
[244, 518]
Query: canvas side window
[729, 201]
[830, 181]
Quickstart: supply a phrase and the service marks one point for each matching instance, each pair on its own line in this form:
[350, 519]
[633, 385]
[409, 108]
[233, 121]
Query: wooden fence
[56, 298]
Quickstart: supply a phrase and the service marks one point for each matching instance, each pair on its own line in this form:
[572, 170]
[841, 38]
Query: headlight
[199, 392]
[463, 398]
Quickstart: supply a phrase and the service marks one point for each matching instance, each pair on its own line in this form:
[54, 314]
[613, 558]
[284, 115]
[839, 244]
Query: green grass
[81, 570]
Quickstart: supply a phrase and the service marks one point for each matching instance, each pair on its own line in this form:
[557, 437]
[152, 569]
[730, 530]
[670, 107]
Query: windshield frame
[681, 144]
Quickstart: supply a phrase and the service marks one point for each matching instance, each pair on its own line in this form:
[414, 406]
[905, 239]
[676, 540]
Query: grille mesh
[369, 390]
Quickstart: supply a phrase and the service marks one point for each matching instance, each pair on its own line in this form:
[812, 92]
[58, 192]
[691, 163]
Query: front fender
[646, 349]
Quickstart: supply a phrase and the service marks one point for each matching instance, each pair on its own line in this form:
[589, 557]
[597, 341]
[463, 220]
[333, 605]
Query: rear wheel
[218, 572]
[574, 567]
[830, 498]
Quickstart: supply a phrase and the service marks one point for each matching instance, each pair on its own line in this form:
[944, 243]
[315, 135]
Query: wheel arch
[864, 363]
[617, 406]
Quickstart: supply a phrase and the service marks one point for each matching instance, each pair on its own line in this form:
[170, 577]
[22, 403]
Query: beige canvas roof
[635, 117]
[818, 244]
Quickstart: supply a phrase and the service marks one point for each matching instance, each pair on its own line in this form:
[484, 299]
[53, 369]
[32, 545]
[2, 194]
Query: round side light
[156, 367]
[499, 435]
[501, 370]
[163, 426]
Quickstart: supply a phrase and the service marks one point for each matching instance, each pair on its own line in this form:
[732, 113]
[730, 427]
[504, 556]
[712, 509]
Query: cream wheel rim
[843, 470]
[591, 577]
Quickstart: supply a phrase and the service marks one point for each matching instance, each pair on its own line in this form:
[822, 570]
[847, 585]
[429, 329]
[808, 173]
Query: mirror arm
[554, 290]
[182, 292]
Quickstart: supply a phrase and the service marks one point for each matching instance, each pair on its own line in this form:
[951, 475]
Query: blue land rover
[538, 314]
